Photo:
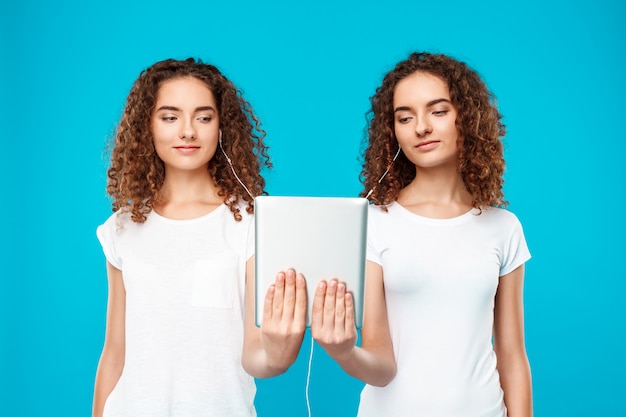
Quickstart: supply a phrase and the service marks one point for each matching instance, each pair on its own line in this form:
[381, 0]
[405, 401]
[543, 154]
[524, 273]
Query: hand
[332, 321]
[284, 319]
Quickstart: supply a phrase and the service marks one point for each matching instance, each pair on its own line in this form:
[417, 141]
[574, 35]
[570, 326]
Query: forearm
[515, 378]
[333, 327]
[258, 364]
[374, 367]
[509, 345]
[270, 352]
[107, 376]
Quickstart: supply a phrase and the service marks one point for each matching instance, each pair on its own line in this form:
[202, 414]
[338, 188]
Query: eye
[440, 113]
[168, 118]
[404, 120]
[205, 119]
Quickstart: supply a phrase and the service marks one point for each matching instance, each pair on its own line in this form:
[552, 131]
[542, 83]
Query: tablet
[321, 237]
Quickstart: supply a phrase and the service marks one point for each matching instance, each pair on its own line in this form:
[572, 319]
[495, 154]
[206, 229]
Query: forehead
[420, 86]
[184, 89]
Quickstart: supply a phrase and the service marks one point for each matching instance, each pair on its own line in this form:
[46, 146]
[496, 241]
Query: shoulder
[383, 221]
[385, 214]
[374, 211]
[499, 215]
[381, 212]
[238, 234]
[117, 221]
[501, 220]
[509, 234]
[243, 210]
[120, 225]
[229, 220]
[112, 233]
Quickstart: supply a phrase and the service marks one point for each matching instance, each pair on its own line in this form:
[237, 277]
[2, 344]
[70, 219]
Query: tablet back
[321, 237]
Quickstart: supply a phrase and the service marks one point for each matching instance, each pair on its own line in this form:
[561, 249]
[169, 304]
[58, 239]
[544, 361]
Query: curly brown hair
[480, 155]
[137, 173]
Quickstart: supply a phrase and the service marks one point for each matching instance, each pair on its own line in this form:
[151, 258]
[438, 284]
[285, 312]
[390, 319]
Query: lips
[427, 144]
[186, 149]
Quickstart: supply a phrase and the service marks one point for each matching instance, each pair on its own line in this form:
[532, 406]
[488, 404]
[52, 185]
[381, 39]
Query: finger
[301, 302]
[340, 306]
[267, 307]
[329, 304]
[350, 325]
[279, 294]
[289, 295]
[317, 314]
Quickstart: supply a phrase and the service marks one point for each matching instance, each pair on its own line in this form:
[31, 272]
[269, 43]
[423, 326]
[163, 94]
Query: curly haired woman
[443, 331]
[185, 165]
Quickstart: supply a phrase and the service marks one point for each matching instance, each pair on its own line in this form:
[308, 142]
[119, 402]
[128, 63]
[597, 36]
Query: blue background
[309, 68]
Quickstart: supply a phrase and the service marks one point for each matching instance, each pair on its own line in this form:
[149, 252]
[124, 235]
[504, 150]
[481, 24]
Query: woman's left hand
[332, 321]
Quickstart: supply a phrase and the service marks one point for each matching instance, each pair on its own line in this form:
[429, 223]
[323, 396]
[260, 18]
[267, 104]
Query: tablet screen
[321, 237]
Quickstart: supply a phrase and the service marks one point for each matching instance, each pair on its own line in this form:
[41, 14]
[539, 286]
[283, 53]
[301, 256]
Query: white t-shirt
[441, 277]
[184, 282]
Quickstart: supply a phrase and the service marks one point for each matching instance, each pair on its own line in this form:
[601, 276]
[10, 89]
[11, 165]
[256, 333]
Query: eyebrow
[173, 108]
[429, 104]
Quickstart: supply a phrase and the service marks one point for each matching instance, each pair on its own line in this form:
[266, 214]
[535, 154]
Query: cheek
[403, 131]
[157, 141]
[159, 149]
[163, 133]
[160, 141]
[449, 127]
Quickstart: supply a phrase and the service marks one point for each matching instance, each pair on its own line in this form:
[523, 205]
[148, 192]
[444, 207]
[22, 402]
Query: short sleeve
[372, 252]
[515, 251]
[107, 234]
[250, 246]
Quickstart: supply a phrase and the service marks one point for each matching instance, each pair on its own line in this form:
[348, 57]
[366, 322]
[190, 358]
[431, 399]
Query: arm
[334, 329]
[509, 344]
[271, 349]
[112, 359]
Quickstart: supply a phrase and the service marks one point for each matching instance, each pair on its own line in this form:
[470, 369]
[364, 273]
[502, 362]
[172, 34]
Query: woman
[445, 263]
[179, 252]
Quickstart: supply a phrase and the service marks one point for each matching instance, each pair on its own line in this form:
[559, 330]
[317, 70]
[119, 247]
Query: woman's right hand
[284, 319]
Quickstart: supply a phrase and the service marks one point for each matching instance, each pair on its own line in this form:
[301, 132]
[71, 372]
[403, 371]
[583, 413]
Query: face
[185, 125]
[424, 121]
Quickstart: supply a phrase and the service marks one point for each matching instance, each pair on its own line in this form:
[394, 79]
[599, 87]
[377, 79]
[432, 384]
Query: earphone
[232, 168]
[308, 378]
[385, 173]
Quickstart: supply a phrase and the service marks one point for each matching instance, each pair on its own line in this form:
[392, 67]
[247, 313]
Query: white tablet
[321, 237]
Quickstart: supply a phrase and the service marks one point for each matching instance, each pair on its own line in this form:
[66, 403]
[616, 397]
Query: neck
[186, 195]
[436, 193]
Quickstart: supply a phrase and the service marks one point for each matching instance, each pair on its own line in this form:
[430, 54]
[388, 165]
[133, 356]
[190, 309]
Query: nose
[422, 127]
[187, 131]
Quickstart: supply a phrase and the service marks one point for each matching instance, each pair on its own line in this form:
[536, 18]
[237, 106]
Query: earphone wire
[385, 173]
[232, 168]
[308, 378]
